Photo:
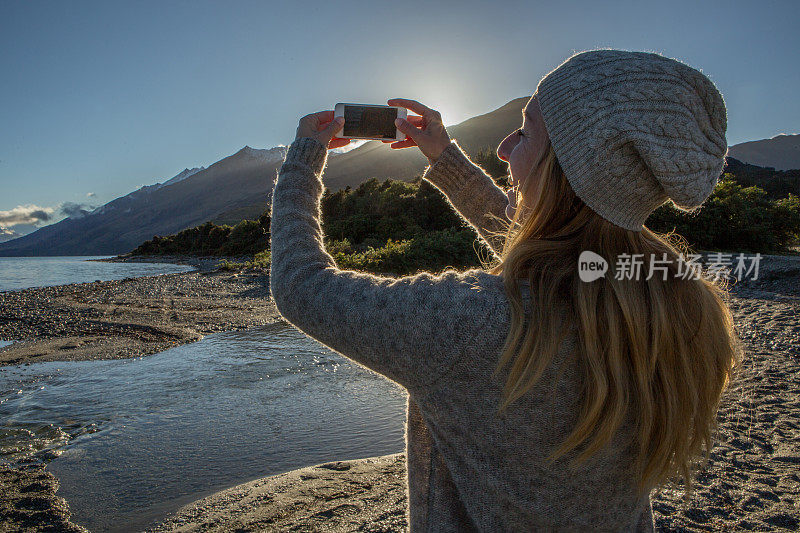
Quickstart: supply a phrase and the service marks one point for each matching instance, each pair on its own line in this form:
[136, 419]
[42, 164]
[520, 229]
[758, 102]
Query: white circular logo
[591, 266]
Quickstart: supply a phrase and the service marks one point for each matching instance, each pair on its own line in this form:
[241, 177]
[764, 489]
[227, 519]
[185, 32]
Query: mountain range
[238, 187]
[781, 152]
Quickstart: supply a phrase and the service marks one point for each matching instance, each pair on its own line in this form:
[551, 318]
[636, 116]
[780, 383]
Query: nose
[504, 149]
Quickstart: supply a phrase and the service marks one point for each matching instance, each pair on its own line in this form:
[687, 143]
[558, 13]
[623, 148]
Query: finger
[404, 144]
[320, 120]
[324, 116]
[425, 112]
[413, 105]
[333, 127]
[408, 129]
[416, 120]
[338, 142]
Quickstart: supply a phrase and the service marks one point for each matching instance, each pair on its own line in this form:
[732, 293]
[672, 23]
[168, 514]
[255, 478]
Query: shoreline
[131, 317]
[203, 263]
[752, 482]
[334, 497]
[30, 502]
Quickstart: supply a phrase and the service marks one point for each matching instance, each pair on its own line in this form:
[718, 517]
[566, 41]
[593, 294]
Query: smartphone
[366, 121]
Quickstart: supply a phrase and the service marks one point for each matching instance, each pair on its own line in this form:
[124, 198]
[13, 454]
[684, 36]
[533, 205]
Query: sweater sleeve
[473, 194]
[412, 330]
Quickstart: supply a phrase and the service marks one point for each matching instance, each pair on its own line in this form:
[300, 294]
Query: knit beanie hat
[632, 130]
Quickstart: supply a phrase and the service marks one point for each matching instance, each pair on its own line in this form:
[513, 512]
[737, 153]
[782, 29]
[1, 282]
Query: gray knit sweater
[440, 338]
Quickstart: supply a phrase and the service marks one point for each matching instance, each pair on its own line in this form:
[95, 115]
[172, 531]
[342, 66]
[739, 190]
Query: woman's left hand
[322, 127]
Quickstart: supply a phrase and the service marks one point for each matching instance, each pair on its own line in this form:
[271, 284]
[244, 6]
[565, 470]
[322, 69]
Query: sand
[361, 495]
[752, 482]
[130, 317]
[29, 501]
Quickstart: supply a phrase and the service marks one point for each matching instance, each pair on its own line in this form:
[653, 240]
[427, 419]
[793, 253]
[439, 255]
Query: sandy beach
[752, 482]
[362, 495]
[130, 317]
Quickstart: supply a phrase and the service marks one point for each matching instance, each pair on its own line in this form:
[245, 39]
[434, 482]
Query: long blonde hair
[666, 349]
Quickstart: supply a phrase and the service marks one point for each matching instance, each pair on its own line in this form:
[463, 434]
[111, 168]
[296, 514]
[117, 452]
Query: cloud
[73, 210]
[91, 195]
[26, 214]
[8, 234]
[25, 218]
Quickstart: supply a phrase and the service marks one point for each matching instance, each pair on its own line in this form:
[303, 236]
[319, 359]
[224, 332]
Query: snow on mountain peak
[182, 175]
[267, 155]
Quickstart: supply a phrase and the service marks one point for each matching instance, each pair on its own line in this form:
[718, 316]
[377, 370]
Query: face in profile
[522, 149]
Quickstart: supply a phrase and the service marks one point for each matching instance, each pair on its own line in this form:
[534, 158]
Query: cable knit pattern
[440, 336]
[632, 130]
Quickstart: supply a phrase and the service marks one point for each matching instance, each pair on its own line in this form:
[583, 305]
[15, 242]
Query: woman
[613, 384]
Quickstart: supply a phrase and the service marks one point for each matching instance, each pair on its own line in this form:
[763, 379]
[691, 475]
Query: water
[142, 437]
[23, 272]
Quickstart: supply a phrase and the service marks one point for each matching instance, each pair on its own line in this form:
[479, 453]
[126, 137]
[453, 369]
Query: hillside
[781, 152]
[124, 223]
[776, 183]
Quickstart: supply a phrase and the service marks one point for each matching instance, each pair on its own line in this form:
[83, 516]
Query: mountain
[781, 152]
[185, 173]
[160, 209]
[777, 183]
[144, 190]
[236, 185]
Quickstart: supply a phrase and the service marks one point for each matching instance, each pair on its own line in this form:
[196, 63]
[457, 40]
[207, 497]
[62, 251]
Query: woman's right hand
[425, 131]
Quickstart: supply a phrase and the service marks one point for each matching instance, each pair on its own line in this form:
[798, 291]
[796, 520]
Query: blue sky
[99, 98]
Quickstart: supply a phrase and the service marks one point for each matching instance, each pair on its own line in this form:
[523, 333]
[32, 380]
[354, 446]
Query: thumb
[334, 127]
[409, 129]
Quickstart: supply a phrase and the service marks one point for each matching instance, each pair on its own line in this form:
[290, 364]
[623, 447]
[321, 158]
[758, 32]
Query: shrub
[737, 218]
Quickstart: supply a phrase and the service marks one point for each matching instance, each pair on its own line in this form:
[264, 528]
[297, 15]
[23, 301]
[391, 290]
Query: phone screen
[369, 121]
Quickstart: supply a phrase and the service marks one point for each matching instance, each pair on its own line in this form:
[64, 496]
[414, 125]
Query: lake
[23, 272]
